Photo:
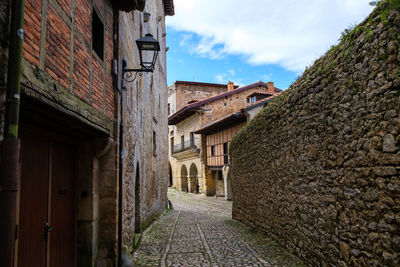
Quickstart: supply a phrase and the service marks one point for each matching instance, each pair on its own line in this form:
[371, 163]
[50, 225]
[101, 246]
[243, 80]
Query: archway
[171, 183]
[193, 182]
[137, 199]
[184, 179]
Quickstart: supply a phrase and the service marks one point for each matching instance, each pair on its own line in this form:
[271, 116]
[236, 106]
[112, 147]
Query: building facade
[198, 159]
[184, 154]
[73, 207]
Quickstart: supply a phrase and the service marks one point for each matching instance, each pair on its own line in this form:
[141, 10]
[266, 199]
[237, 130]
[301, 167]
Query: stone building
[188, 156]
[179, 95]
[216, 138]
[74, 206]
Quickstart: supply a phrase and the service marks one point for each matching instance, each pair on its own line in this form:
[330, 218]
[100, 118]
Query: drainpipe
[10, 148]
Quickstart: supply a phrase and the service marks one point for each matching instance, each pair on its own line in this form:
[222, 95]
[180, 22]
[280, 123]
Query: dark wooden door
[34, 196]
[47, 201]
[62, 237]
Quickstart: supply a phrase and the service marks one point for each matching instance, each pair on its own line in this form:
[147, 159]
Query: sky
[217, 41]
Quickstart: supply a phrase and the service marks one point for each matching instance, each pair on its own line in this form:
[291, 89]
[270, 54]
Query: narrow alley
[199, 231]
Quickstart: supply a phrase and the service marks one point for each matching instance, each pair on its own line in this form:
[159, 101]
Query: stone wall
[145, 111]
[318, 168]
[186, 91]
[220, 108]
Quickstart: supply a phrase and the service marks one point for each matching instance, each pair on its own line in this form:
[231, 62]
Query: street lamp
[148, 52]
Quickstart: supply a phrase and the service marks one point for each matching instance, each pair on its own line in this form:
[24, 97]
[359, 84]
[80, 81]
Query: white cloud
[220, 78]
[291, 33]
[223, 78]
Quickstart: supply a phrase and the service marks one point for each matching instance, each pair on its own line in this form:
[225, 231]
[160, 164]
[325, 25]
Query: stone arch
[193, 179]
[184, 179]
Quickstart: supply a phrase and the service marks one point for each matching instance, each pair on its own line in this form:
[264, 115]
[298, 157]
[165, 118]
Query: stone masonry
[145, 113]
[318, 168]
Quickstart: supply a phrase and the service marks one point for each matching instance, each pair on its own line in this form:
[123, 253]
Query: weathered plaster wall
[145, 111]
[318, 168]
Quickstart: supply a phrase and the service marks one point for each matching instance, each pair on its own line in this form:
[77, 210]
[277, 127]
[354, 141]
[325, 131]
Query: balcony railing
[189, 144]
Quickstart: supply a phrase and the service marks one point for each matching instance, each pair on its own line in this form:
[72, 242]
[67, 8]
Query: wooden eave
[222, 124]
[169, 9]
[129, 5]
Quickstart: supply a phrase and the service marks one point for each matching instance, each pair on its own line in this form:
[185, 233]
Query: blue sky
[215, 41]
[185, 64]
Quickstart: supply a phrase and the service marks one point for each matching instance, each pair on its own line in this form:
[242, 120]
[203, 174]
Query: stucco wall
[318, 168]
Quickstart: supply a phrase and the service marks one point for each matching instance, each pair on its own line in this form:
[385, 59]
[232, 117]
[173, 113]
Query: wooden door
[62, 237]
[47, 201]
[34, 195]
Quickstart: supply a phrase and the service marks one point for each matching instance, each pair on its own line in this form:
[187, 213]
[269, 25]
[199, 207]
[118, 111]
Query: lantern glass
[148, 51]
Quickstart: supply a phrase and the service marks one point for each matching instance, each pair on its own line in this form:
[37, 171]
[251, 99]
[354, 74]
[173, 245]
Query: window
[191, 139]
[172, 144]
[212, 150]
[225, 153]
[97, 35]
[247, 100]
[182, 141]
[169, 108]
[253, 99]
[154, 143]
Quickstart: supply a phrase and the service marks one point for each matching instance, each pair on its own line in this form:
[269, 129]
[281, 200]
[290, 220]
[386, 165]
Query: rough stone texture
[199, 231]
[318, 168]
[145, 112]
[180, 93]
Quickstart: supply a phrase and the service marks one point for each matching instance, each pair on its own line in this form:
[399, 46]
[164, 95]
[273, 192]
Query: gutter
[10, 147]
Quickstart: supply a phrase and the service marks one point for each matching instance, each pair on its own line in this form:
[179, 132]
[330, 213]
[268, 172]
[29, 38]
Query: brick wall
[58, 41]
[318, 168]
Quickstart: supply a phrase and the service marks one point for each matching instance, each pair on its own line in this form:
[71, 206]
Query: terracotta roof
[259, 93]
[190, 109]
[169, 9]
[232, 119]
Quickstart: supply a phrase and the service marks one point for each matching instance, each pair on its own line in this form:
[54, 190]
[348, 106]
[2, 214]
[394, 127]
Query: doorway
[137, 199]
[46, 235]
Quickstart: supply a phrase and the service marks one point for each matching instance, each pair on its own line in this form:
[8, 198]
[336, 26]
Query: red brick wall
[57, 48]
[32, 29]
[81, 71]
[91, 79]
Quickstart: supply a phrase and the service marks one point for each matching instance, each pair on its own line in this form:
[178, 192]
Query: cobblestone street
[199, 231]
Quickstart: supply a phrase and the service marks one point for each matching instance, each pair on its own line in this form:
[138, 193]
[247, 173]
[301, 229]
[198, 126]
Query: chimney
[231, 86]
[271, 87]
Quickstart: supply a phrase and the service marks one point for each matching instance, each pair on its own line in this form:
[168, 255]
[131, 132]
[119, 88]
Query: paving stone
[200, 232]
